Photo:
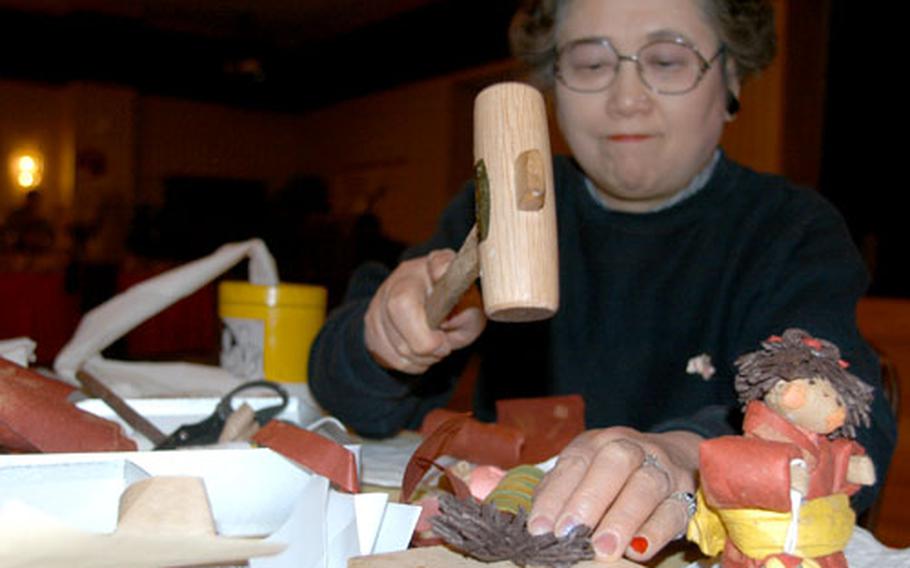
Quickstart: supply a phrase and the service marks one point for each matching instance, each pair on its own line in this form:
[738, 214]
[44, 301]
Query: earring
[732, 104]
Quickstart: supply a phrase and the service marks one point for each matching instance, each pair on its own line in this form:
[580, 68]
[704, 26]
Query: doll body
[778, 496]
[754, 472]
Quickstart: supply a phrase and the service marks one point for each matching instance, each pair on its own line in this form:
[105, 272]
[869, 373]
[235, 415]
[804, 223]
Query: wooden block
[442, 557]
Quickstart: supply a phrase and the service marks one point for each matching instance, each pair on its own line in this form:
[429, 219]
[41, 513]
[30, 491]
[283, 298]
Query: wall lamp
[27, 169]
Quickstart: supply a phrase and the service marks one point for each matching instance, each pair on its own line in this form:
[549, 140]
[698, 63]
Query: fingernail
[639, 544]
[540, 525]
[606, 544]
[565, 526]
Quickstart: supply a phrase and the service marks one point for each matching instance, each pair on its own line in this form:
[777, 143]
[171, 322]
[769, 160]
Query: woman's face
[639, 147]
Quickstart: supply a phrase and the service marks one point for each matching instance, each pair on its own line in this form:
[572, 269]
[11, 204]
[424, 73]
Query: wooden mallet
[512, 246]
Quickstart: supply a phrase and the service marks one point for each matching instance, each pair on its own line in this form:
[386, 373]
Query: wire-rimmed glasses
[666, 66]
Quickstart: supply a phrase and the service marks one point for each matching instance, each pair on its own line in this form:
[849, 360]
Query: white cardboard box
[168, 414]
[253, 493]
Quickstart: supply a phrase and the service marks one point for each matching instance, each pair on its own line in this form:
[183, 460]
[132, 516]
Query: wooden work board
[442, 557]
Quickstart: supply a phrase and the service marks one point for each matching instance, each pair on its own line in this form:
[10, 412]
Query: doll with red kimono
[778, 496]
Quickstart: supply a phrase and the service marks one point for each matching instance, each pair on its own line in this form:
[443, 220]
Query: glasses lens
[669, 67]
[587, 66]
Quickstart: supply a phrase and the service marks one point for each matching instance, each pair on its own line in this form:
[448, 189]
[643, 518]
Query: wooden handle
[455, 282]
[96, 388]
[518, 256]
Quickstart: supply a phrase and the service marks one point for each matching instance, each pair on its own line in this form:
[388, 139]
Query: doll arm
[861, 470]
[737, 472]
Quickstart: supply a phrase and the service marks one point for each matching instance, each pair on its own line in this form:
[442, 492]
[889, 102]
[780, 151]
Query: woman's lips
[628, 137]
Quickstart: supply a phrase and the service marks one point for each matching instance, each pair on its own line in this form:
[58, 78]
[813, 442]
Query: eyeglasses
[668, 67]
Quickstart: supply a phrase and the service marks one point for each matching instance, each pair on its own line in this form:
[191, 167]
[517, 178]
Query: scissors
[204, 432]
[208, 430]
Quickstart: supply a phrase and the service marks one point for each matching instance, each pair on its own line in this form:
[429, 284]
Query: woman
[669, 252]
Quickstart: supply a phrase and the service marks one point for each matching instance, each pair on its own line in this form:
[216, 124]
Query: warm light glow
[26, 179]
[27, 169]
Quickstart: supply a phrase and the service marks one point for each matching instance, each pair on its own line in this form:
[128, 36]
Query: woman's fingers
[641, 495]
[621, 483]
[389, 348]
[395, 326]
[438, 262]
[406, 318]
[667, 523]
[590, 472]
[468, 320]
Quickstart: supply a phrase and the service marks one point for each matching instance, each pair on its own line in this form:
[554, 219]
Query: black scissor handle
[263, 415]
[208, 430]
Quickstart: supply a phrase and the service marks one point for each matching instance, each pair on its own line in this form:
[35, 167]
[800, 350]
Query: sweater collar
[698, 182]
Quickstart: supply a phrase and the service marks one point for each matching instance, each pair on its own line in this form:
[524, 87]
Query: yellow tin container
[267, 330]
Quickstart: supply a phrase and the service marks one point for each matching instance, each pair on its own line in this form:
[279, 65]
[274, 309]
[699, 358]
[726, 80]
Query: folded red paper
[316, 453]
[529, 430]
[37, 416]
[548, 423]
[478, 442]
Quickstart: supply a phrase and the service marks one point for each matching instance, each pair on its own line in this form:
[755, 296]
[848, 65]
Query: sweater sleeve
[347, 381]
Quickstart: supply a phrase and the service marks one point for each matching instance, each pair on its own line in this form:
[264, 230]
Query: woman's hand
[396, 330]
[633, 490]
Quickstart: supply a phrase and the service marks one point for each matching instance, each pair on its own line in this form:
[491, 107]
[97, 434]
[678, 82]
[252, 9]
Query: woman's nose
[628, 94]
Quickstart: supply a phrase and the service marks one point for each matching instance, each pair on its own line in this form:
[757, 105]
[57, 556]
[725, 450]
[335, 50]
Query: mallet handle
[463, 271]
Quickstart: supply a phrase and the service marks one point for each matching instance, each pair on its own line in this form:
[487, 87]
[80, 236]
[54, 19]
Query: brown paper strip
[36, 416]
[315, 452]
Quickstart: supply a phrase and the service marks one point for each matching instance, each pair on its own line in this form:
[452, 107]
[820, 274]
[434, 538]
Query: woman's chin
[636, 194]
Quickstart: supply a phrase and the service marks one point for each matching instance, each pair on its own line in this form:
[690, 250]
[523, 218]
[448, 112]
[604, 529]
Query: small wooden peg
[530, 182]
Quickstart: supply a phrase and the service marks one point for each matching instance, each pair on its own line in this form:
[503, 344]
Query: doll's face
[811, 404]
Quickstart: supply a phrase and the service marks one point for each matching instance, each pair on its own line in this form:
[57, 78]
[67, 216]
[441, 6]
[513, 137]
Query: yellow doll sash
[825, 526]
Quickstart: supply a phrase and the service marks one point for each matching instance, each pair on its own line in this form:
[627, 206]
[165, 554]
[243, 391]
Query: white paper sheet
[369, 509]
[305, 539]
[252, 492]
[19, 350]
[398, 524]
[111, 320]
[29, 538]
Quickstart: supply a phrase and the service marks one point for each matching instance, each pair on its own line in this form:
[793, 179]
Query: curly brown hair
[745, 28]
[797, 355]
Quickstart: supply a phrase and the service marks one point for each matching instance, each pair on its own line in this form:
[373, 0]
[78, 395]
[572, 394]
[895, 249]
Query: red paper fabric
[434, 444]
[548, 423]
[760, 478]
[315, 452]
[827, 459]
[754, 470]
[528, 431]
[36, 416]
[478, 442]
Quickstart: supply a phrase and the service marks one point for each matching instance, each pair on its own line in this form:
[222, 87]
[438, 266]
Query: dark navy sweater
[640, 294]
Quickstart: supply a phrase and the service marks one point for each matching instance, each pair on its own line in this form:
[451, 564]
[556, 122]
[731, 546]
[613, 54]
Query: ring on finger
[688, 501]
[652, 461]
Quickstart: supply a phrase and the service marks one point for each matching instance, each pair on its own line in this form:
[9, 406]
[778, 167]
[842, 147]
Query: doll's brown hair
[798, 355]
